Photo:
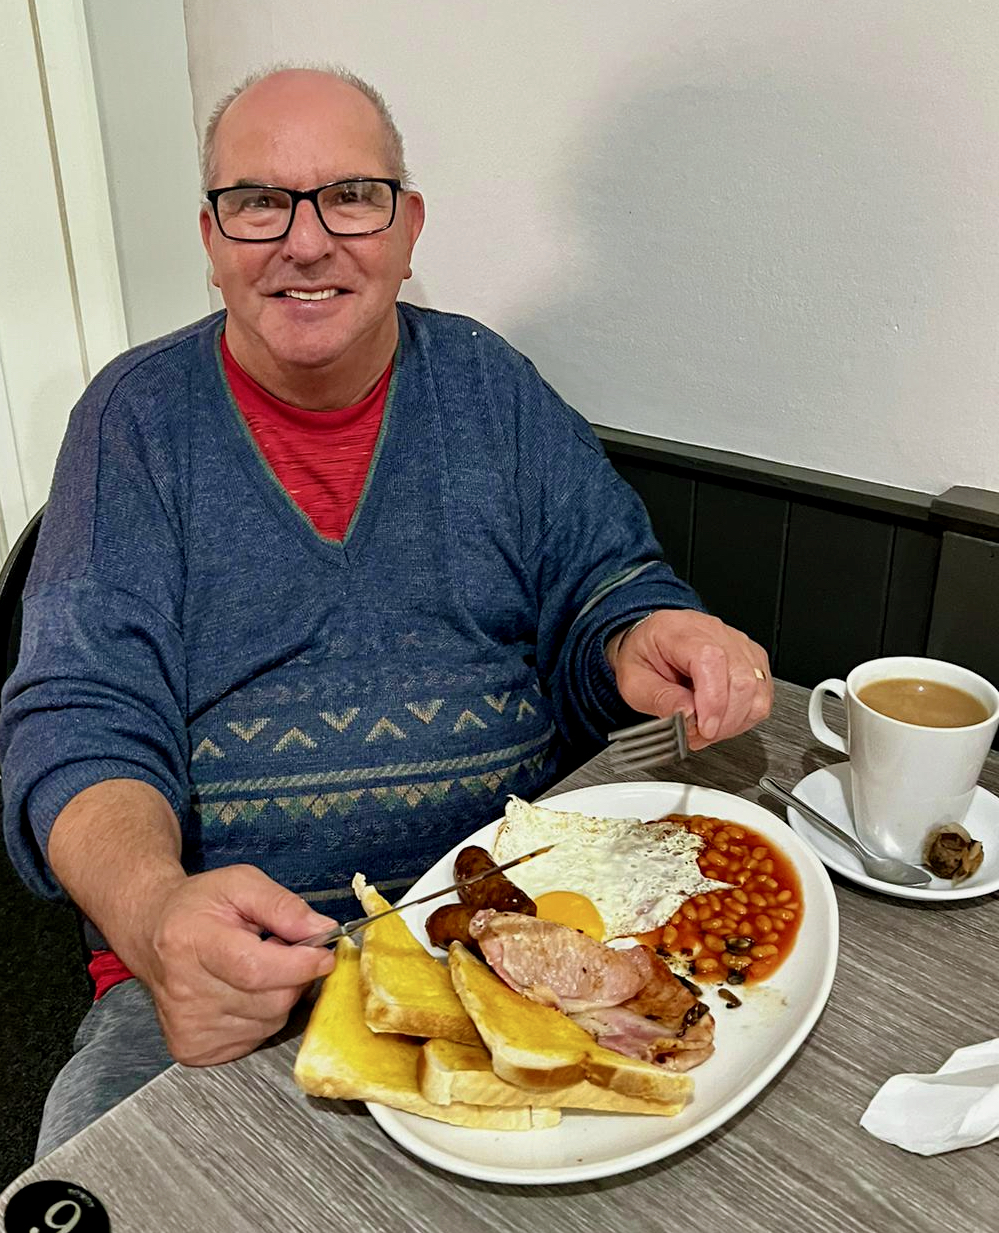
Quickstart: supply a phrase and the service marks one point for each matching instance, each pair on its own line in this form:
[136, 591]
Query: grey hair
[394, 153]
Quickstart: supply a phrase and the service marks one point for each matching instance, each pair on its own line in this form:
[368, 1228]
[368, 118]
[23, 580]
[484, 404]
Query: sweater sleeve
[99, 690]
[597, 566]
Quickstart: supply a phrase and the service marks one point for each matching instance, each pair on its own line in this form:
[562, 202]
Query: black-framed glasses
[257, 213]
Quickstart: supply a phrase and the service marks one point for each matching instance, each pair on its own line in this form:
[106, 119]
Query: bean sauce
[743, 934]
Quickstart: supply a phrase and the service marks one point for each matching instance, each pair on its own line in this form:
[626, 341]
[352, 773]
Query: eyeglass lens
[350, 208]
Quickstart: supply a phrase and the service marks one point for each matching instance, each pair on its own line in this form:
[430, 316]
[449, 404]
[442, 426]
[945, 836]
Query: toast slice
[342, 1059]
[448, 1072]
[539, 1048]
[405, 989]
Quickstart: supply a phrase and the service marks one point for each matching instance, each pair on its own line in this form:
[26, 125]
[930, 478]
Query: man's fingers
[267, 905]
[729, 690]
[230, 1036]
[246, 962]
[743, 687]
[727, 674]
[752, 688]
[666, 700]
[708, 670]
[763, 695]
[750, 691]
[241, 959]
[219, 987]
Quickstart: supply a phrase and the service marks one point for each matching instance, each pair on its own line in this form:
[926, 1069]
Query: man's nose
[307, 240]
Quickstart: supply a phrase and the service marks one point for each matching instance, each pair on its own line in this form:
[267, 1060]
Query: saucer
[828, 791]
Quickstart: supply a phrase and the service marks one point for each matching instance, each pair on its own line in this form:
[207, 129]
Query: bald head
[311, 313]
[289, 87]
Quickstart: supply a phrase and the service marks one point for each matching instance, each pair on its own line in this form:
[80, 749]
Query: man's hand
[682, 660]
[219, 989]
[195, 941]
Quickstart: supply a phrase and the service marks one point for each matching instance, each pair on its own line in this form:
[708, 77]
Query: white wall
[102, 247]
[765, 227]
[139, 55]
[61, 315]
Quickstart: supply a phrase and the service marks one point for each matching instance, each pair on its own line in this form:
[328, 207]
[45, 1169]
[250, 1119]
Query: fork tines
[650, 744]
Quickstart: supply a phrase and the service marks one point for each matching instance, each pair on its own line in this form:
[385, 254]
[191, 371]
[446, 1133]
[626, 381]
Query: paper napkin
[956, 1107]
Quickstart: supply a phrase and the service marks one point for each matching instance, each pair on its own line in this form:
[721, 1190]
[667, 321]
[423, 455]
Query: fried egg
[609, 877]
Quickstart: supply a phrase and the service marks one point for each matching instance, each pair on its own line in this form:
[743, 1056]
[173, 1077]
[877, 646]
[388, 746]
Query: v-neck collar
[261, 474]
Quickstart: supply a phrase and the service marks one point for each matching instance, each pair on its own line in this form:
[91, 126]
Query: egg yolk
[572, 910]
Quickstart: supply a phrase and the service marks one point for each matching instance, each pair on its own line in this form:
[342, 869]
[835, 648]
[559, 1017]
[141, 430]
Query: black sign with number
[55, 1207]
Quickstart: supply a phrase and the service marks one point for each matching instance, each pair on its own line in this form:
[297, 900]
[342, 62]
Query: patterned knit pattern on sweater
[316, 707]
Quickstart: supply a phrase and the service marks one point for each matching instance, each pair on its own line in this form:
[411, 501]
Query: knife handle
[330, 936]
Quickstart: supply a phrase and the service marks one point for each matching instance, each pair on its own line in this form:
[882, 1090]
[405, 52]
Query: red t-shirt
[322, 460]
[321, 457]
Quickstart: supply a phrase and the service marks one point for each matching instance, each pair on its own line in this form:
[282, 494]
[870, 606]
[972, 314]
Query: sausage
[468, 863]
[497, 892]
[449, 924]
[506, 897]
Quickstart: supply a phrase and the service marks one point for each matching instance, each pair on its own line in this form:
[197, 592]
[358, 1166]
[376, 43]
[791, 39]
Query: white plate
[753, 1041]
[828, 791]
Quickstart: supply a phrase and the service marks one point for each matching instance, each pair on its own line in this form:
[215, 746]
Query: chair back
[34, 919]
[13, 576]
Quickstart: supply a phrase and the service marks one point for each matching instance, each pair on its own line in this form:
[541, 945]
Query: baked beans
[743, 934]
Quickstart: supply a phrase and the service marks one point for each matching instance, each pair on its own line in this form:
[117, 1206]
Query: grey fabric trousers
[118, 1048]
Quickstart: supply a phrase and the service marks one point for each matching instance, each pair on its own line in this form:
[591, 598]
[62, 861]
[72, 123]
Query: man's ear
[206, 225]
[414, 215]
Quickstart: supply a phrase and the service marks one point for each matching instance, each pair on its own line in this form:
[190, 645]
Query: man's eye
[349, 194]
[259, 201]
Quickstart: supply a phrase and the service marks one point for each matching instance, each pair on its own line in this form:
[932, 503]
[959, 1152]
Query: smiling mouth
[326, 293]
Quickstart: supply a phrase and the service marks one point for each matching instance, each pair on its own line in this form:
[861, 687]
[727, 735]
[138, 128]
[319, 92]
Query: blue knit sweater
[316, 707]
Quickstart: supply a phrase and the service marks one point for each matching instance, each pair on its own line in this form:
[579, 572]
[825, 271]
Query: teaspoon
[884, 868]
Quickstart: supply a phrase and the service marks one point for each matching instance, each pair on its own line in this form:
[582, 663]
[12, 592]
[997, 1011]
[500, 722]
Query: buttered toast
[447, 1071]
[539, 1048]
[341, 1058]
[404, 988]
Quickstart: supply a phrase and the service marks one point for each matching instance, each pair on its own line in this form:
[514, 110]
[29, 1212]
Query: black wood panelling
[669, 499]
[835, 587]
[819, 487]
[737, 561]
[964, 627]
[910, 591]
[964, 624]
[824, 571]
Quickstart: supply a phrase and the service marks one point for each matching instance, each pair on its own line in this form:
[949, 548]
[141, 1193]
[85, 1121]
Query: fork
[650, 743]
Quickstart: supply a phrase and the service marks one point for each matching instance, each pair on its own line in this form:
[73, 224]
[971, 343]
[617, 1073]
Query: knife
[355, 926]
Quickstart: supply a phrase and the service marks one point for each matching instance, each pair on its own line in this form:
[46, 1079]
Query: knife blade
[355, 926]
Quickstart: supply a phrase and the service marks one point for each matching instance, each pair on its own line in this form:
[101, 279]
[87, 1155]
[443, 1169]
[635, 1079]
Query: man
[321, 581]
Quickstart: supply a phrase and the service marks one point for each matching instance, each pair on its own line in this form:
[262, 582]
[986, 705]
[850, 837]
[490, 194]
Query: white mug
[907, 779]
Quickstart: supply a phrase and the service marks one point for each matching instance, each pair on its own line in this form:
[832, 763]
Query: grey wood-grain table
[238, 1149]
